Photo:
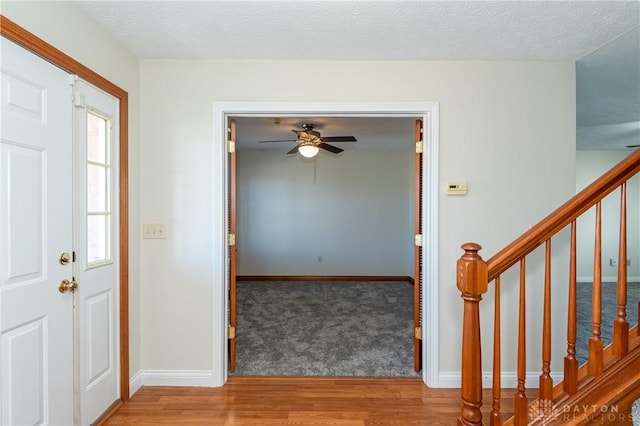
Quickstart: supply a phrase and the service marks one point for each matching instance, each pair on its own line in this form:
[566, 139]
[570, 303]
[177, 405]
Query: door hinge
[417, 333]
[231, 146]
[73, 79]
[79, 99]
[232, 239]
[419, 147]
[231, 331]
[418, 240]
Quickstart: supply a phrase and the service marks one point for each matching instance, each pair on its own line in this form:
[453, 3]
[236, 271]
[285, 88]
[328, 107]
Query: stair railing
[474, 276]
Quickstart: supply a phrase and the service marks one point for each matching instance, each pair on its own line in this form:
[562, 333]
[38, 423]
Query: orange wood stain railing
[474, 276]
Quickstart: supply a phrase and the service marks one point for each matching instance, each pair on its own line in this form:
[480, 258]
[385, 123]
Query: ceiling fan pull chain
[315, 170]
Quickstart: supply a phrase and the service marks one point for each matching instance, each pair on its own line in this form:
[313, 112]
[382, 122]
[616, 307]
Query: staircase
[601, 390]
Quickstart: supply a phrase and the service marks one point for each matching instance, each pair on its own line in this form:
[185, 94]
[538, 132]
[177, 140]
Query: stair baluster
[570, 382]
[620, 324]
[546, 382]
[496, 415]
[520, 399]
[596, 363]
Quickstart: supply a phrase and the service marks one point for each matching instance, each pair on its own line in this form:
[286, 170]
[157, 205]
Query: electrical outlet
[319, 259]
[614, 262]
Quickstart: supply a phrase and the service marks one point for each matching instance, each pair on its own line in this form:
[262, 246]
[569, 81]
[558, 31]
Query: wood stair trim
[609, 359]
[474, 275]
[620, 382]
[560, 398]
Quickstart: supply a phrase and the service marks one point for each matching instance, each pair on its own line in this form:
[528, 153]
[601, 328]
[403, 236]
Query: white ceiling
[608, 94]
[601, 35]
[364, 30]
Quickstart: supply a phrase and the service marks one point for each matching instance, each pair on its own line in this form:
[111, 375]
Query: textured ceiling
[364, 30]
[602, 36]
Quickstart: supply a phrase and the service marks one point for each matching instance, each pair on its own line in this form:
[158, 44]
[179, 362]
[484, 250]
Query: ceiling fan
[309, 141]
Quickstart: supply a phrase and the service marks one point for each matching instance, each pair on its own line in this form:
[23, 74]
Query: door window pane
[96, 138]
[97, 243]
[98, 189]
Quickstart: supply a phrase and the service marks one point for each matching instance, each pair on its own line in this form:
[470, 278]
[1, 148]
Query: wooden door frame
[233, 253]
[31, 42]
[417, 248]
[428, 112]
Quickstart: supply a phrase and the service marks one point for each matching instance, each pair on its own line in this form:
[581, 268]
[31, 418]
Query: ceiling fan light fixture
[308, 151]
[309, 142]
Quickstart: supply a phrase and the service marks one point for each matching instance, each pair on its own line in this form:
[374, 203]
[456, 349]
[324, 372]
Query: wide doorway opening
[326, 250]
[293, 231]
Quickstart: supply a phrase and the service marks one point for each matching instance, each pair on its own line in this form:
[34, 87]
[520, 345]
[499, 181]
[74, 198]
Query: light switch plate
[153, 231]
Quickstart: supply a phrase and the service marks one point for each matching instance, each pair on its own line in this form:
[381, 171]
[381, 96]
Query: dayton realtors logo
[544, 411]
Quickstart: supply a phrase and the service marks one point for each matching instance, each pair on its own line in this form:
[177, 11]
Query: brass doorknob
[66, 285]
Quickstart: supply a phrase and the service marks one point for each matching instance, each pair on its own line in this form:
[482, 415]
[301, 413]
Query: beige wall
[507, 128]
[64, 26]
[354, 210]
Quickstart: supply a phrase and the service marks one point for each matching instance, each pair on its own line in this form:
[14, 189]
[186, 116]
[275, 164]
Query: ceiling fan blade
[294, 150]
[338, 139]
[281, 140]
[330, 148]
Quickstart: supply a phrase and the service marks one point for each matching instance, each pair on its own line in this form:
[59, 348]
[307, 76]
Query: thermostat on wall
[456, 188]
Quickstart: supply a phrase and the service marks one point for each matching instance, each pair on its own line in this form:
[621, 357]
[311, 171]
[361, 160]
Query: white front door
[48, 347]
[36, 319]
[97, 313]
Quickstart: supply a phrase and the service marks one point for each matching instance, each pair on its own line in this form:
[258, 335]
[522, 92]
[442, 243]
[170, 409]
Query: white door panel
[36, 320]
[97, 268]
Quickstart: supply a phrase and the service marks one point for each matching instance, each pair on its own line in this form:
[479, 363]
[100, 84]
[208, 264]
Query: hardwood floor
[269, 401]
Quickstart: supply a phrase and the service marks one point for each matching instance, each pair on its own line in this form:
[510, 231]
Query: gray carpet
[609, 308]
[334, 328]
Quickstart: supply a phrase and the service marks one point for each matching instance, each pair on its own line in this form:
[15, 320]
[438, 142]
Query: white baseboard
[135, 383]
[204, 378]
[452, 379]
[608, 279]
[201, 378]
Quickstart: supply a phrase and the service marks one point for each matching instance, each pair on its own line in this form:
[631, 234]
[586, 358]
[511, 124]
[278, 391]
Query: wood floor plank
[265, 401]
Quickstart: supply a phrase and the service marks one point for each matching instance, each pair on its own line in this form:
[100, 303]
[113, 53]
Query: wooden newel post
[472, 280]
